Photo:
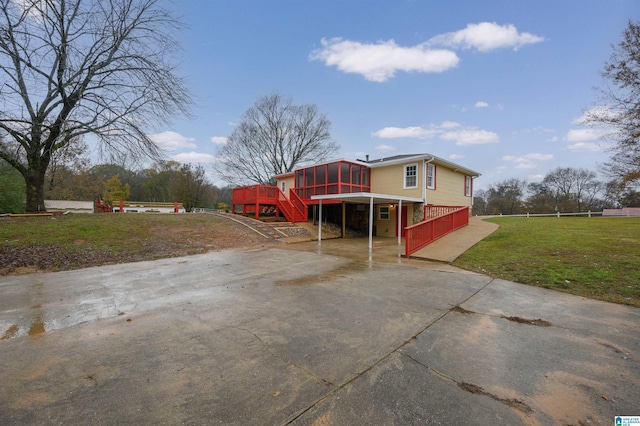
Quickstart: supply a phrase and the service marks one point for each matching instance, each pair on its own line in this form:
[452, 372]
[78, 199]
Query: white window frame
[384, 211]
[468, 184]
[283, 186]
[415, 176]
[431, 176]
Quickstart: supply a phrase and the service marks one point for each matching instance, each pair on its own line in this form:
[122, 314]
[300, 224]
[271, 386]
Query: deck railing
[299, 205]
[423, 233]
[254, 196]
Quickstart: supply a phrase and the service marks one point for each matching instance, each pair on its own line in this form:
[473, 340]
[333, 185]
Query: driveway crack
[515, 403]
[284, 359]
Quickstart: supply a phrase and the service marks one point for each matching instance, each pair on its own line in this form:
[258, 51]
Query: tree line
[161, 182]
[563, 190]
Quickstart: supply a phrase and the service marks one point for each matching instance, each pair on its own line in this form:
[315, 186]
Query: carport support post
[344, 220]
[399, 218]
[370, 223]
[319, 221]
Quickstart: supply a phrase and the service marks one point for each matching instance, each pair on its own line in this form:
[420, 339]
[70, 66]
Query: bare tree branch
[274, 137]
[74, 67]
[621, 93]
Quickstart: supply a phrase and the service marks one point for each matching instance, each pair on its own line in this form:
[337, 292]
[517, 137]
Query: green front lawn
[592, 257]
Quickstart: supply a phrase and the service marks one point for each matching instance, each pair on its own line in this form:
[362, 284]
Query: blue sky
[498, 86]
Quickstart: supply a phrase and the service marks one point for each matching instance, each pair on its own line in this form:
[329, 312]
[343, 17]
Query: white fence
[624, 212]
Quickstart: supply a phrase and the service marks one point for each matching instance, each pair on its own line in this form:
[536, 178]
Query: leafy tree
[274, 137]
[69, 177]
[11, 190]
[158, 178]
[622, 96]
[134, 179]
[116, 191]
[505, 197]
[541, 199]
[191, 187]
[69, 68]
[480, 202]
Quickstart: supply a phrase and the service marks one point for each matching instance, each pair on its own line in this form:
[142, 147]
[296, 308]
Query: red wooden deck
[264, 199]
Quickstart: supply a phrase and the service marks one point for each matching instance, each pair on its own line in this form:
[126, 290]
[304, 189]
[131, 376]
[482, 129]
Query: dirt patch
[518, 404]
[188, 238]
[538, 322]
[461, 310]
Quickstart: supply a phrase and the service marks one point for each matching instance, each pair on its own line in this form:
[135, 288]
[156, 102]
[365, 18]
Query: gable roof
[405, 158]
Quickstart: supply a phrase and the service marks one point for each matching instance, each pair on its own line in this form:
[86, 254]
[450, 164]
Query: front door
[404, 220]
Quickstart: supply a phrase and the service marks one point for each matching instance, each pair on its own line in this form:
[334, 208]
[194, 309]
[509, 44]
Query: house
[365, 194]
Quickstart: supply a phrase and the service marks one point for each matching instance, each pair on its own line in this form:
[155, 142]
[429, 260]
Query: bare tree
[274, 137]
[505, 197]
[621, 93]
[69, 68]
[573, 189]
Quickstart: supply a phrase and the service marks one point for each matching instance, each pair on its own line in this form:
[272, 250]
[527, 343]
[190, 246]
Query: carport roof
[365, 197]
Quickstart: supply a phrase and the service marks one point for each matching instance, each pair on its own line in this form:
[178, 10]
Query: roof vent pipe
[367, 158]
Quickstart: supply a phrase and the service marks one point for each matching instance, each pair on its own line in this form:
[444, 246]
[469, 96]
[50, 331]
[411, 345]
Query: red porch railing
[253, 197]
[293, 211]
[423, 233]
[300, 206]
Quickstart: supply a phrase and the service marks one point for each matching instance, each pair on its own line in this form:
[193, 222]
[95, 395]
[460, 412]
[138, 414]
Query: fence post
[589, 213]
[558, 214]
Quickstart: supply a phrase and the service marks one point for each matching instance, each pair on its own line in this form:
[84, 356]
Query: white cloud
[535, 177]
[525, 166]
[587, 147]
[379, 62]
[449, 125]
[406, 132]
[582, 135]
[219, 140]
[471, 136]
[481, 104]
[540, 157]
[385, 148]
[194, 157]
[172, 141]
[528, 157]
[485, 36]
[462, 136]
[527, 161]
[455, 156]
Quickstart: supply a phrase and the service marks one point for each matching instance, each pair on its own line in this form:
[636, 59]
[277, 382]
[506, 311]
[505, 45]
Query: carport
[363, 198]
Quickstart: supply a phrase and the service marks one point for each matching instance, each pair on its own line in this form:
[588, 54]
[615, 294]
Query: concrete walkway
[453, 245]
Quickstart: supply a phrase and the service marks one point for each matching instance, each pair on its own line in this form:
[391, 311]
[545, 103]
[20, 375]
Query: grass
[597, 258]
[78, 240]
[108, 232]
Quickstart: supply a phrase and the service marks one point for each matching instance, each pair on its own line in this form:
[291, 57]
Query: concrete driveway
[297, 335]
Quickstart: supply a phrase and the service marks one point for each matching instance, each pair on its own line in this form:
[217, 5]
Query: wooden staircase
[293, 208]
